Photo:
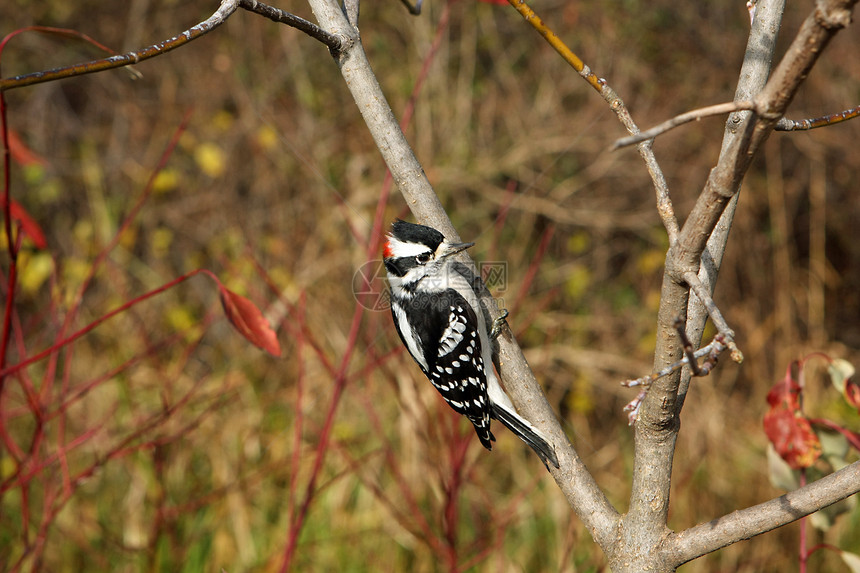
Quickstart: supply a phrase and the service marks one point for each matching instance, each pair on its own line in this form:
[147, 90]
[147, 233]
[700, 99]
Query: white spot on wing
[453, 334]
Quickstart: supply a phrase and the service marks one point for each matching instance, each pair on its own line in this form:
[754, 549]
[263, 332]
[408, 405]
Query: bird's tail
[526, 432]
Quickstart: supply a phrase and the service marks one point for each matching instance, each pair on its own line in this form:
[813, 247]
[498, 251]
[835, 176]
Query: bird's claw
[498, 324]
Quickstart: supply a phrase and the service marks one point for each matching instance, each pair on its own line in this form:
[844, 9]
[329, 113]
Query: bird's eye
[423, 258]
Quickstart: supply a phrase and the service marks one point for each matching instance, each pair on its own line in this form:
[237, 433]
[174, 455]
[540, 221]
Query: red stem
[413, 509]
[457, 457]
[852, 437]
[122, 308]
[295, 459]
[322, 445]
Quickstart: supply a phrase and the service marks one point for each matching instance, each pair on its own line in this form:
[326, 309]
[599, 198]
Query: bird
[439, 318]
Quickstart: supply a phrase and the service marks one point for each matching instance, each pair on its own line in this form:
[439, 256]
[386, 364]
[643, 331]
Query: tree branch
[707, 537]
[277, 15]
[352, 7]
[681, 119]
[814, 35]
[224, 11]
[753, 77]
[786, 124]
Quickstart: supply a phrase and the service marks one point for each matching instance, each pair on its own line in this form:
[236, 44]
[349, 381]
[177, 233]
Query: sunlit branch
[786, 124]
[707, 537]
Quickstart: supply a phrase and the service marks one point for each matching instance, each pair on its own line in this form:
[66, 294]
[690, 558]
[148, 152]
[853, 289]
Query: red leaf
[249, 321]
[786, 426]
[28, 225]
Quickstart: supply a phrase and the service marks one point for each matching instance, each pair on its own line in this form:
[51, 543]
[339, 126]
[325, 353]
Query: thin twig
[664, 202]
[703, 369]
[692, 280]
[689, 352]
[717, 345]
[334, 43]
[224, 11]
[786, 124]
[679, 120]
[712, 351]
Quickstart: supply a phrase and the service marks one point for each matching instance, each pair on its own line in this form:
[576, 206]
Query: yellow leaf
[161, 240]
[578, 281]
[651, 261]
[578, 243]
[210, 158]
[180, 318]
[267, 137]
[223, 120]
[166, 180]
[34, 271]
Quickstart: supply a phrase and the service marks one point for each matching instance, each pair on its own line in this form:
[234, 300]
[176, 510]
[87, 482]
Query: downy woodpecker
[441, 322]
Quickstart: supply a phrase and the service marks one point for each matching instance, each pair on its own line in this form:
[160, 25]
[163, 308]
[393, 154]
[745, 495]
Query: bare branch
[817, 31]
[786, 124]
[333, 42]
[657, 426]
[712, 351]
[224, 11]
[707, 537]
[692, 280]
[716, 347]
[753, 77]
[679, 120]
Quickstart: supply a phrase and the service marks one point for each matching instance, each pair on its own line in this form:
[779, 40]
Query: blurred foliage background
[277, 177]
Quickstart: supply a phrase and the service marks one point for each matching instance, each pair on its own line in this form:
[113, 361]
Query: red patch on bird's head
[386, 250]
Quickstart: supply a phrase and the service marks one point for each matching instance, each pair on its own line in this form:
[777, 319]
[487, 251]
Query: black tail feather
[526, 433]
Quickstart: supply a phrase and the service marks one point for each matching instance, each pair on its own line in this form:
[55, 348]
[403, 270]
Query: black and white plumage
[440, 321]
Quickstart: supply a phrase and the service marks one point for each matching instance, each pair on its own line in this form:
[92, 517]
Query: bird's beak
[454, 248]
